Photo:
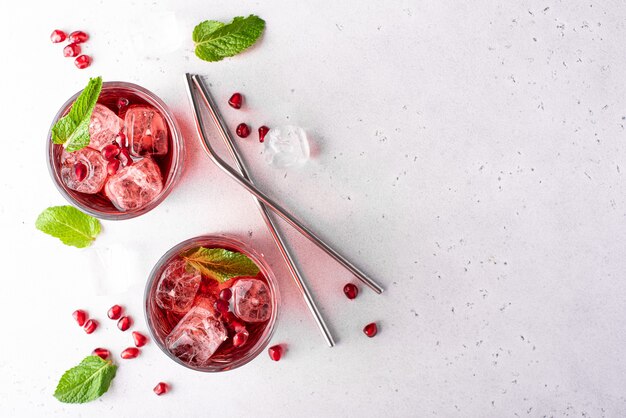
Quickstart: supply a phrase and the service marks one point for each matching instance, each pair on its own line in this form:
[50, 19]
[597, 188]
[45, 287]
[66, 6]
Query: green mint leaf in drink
[87, 381]
[68, 224]
[72, 130]
[220, 264]
[215, 40]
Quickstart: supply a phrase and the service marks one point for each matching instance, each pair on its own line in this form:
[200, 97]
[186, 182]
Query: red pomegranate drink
[131, 161]
[211, 303]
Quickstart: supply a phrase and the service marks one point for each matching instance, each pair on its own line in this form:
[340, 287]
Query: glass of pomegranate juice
[133, 158]
[211, 303]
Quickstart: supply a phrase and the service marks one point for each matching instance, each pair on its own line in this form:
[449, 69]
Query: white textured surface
[470, 156]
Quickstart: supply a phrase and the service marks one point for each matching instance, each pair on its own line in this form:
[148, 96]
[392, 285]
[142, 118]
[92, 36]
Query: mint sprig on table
[220, 264]
[72, 130]
[68, 224]
[215, 40]
[87, 381]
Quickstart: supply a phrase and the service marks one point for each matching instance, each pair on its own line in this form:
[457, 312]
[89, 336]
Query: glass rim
[176, 161]
[259, 260]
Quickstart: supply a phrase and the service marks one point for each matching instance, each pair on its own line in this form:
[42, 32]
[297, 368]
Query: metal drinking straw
[280, 243]
[279, 210]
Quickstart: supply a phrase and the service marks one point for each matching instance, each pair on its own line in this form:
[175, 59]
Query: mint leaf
[87, 381]
[220, 264]
[216, 41]
[72, 130]
[68, 224]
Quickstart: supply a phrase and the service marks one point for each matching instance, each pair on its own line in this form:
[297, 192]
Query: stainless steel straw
[279, 210]
[280, 243]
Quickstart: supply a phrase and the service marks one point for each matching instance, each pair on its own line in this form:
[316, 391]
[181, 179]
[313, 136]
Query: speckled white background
[470, 156]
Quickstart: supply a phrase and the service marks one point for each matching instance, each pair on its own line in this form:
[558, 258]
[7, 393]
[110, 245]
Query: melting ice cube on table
[146, 131]
[135, 185]
[104, 127]
[197, 336]
[286, 146]
[251, 300]
[96, 170]
[177, 287]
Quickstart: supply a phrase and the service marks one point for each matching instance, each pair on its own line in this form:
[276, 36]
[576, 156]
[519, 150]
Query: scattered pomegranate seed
[125, 158]
[80, 171]
[58, 36]
[226, 294]
[78, 37]
[350, 290]
[221, 306]
[113, 166]
[115, 312]
[130, 352]
[80, 316]
[90, 326]
[124, 323]
[140, 339]
[275, 352]
[110, 152]
[122, 102]
[103, 353]
[236, 100]
[161, 388]
[370, 329]
[82, 61]
[240, 338]
[243, 130]
[71, 50]
[263, 130]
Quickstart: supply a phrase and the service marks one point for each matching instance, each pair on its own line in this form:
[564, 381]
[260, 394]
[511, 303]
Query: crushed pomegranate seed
[236, 100]
[58, 36]
[80, 171]
[78, 37]
[82, 61]
[113, 166]
[370, 329]
[71, 50]
[240, 338]
[242, 130]
[350, 290]
[124, 323]
[110, 152]
[130, 352]
[103, 353]
[80, 316]
[221, 306]
[161, 388]
[140, 339]
[263, 130]
[90, 326]
[275, 352]
[226, 294]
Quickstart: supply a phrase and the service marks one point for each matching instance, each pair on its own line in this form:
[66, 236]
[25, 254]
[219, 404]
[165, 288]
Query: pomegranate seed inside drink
[210, 327]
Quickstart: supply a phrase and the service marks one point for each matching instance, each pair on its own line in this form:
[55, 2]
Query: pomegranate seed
[226, 294]
[113, 166]
[82, 61]
[243, 130]
[275, 352]
[263, 130]
[90, 326]
[71, 50]
[115, 312]
[80, 316]
[161, 388]
[140, 339]
[110, 151]
[124, 323]
[125, 157]
[130, 352]
[103, 353]
[80, 171]
[122, 102]
[240, 338]
[370, 329]
[236, 100]
[57, 36]
[350, 290]
[78, 37]
[221, 306]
